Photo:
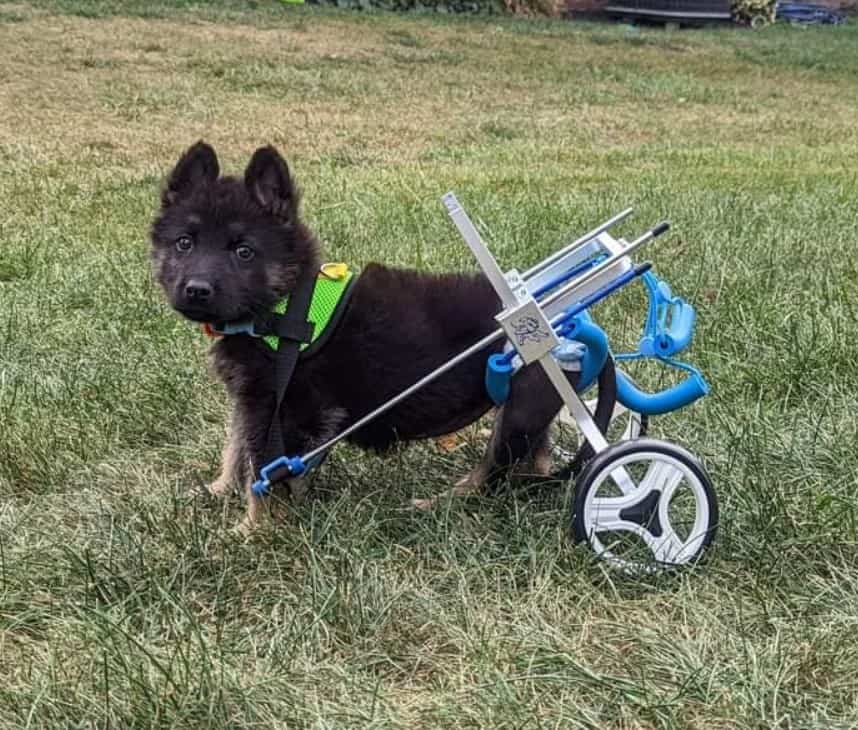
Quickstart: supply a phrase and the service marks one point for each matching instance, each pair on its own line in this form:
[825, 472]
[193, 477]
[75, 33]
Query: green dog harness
[330, 295]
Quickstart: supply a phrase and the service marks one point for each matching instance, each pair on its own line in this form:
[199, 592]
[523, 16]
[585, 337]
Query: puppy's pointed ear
[198, 166]
[269, 183]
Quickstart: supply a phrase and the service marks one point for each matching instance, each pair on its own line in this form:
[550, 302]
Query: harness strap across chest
[295, 326]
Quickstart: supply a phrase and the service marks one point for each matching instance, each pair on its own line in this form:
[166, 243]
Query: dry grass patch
[380, 93]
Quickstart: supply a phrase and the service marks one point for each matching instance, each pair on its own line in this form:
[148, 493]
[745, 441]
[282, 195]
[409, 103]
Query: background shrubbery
[477, 7]
[473, 7]
[746, 11]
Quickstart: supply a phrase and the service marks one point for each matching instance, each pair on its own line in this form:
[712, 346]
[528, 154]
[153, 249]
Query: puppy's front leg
[277, 510]
[302, 439]
[234, 464]
[257, 509]
[253, 512]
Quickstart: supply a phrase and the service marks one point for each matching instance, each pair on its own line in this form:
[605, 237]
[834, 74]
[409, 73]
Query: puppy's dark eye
[244, 253]
[184, 244]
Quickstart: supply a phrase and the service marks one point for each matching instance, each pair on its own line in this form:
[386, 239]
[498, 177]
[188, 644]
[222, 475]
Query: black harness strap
[293, 330]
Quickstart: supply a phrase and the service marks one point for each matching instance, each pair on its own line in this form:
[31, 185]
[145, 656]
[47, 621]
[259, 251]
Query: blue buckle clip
[293, 465]
[237, 328]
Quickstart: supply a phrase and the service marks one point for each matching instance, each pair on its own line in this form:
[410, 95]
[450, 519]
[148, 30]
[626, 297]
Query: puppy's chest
[250, 375]
[244, 369]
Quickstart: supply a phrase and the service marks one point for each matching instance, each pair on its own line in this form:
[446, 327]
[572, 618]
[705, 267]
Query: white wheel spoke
[668, 548]
[609, 508]
[664, 477]
[605, 510]
[621, 477]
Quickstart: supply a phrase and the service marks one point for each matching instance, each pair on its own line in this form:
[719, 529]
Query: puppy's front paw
[424, 505]
[220, 488]
[198, 492]
[246, 528]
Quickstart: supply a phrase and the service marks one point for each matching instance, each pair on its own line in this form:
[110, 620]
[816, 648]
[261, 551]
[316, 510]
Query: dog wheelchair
[641, 504]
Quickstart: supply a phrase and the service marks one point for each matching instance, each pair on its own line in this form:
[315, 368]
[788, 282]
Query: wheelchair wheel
[645, 505]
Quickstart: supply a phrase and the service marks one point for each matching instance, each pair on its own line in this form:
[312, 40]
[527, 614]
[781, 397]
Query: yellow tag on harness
[334, 271]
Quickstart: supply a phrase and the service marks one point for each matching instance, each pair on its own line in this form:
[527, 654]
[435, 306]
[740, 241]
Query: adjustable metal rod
[608, 262]
[481, 252]
[586, 238]
[570, 274]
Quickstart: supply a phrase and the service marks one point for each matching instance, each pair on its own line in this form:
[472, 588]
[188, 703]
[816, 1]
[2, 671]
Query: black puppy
[226, 249]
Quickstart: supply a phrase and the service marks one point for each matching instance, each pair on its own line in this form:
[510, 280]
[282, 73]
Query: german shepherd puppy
[226, 249]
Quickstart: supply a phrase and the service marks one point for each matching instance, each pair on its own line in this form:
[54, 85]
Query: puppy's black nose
[198, 291]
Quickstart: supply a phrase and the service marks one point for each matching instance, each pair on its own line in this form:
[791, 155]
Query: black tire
[606, 400]
[607, 460]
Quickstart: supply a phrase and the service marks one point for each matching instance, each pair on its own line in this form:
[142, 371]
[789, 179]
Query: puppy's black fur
[226, 249]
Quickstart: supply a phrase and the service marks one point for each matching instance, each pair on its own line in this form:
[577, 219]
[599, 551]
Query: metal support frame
[510, 299]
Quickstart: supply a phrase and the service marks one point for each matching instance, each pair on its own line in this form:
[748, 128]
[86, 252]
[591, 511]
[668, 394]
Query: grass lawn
[123, 604]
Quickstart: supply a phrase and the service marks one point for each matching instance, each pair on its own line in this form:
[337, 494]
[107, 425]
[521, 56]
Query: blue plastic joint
[581, 341]
[499, 372]
[581, 328]
[279, 469]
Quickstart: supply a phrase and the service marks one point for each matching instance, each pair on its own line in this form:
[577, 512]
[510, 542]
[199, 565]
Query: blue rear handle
[669, 321]
[654, 404]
